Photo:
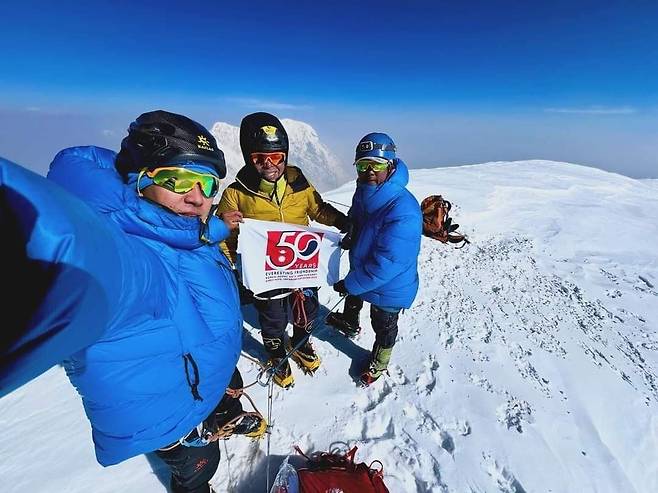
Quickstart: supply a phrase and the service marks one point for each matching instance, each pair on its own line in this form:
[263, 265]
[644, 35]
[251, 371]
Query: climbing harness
[267, 372]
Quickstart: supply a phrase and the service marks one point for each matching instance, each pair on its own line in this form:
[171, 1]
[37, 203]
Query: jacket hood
[373, 197]
[81, 169]
[151, 220]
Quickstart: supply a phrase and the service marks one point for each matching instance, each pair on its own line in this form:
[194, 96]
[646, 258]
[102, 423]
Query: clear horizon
[452, 84]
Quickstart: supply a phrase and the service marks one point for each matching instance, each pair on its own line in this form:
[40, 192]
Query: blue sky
[452, 82]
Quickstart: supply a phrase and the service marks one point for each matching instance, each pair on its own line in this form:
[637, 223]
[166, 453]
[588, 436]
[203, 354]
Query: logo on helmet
[270, 133]
[204, 143]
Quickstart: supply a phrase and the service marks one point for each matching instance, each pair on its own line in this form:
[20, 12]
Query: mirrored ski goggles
[262, 158]
[181, 180]
[374, 163]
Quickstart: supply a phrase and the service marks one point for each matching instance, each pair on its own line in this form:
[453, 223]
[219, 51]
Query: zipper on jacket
[269, 199]
[194, 384]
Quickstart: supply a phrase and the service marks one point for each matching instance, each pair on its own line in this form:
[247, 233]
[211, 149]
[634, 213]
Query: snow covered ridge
[528, 363]
[318, 163]
[651, 182]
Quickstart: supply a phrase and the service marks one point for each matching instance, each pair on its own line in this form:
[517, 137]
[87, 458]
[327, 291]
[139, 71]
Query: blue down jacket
[387, 228]
[145, 315]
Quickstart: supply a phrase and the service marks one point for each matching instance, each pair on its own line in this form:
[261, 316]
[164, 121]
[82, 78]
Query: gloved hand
[340, 288]
[232, 219]
[343, 222]
[348, 240]
[246, 295]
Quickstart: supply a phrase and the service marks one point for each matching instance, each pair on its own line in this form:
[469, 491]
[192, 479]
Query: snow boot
[283, 375]
[305, 357]
[379, 359]
[348, 328]
[347, 323]
[251, 425]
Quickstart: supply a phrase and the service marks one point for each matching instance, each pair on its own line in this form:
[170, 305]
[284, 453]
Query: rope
[235, 393]
[300, 319]
[270, 391]
[269, 382]
[253, 360]
[227, 430]
[265, 375]
[337, 203]
[228, 463]
[342, 297]
[269, 371]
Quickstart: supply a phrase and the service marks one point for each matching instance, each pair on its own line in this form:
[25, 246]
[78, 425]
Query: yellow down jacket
[300, 203]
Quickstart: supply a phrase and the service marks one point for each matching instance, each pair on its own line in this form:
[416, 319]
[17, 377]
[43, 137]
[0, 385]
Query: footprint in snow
[505, 480]
[426, 381]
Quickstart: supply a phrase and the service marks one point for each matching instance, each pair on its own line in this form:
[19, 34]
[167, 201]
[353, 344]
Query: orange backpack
[437, 223]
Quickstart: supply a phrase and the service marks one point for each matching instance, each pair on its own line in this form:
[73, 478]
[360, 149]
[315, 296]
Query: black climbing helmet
[160, 138]
[262, 132]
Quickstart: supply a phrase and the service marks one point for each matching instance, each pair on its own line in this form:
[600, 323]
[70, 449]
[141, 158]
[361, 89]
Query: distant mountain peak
[319, 164]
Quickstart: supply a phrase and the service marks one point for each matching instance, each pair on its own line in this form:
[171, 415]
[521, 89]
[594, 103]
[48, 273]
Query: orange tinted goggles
[265, 158]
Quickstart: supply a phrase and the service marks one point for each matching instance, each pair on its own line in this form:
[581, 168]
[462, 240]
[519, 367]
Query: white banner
[280, 255]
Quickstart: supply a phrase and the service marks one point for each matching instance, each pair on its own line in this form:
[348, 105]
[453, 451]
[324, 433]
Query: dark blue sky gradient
[428, 60]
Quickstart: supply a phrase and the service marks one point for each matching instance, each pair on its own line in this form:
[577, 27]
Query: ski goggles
[374, 163]
[181, 180]
[262, 158]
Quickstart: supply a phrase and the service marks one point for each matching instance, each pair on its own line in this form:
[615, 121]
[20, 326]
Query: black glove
[348, 240]
[340, 288]
[246, 295]
[342, 222]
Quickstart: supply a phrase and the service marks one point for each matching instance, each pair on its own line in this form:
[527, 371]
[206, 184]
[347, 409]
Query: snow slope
[527, 364]
[318, 163]
[651, 181]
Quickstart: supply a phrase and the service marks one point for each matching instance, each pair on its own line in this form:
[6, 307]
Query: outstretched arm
[61, 274]
[325, 213]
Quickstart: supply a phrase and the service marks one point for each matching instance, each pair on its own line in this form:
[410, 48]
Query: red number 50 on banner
[291, 250]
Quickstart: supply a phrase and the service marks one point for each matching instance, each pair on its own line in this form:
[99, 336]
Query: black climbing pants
[384, 322]
[192, 467]
[274, 315]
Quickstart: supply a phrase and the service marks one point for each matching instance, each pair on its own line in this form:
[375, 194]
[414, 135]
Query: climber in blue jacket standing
[384, 247]
[117, 273]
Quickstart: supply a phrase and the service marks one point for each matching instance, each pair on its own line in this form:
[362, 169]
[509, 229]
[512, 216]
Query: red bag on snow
[327, 472]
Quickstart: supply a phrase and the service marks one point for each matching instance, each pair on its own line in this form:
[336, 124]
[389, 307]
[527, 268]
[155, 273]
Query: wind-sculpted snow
[497, 295]
[528, 362]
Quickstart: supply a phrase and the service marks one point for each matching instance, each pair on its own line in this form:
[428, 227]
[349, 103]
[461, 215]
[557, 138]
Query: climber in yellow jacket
[268, 189]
